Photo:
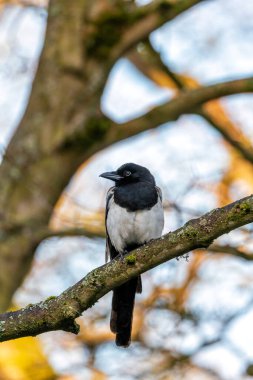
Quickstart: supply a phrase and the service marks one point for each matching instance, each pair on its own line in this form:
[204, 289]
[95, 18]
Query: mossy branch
[59, 313]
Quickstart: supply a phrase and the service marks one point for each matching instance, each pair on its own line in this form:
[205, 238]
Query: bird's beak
[114, 176]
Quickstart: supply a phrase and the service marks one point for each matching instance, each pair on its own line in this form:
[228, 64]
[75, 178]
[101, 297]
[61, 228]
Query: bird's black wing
[110, 252]
[159, 192]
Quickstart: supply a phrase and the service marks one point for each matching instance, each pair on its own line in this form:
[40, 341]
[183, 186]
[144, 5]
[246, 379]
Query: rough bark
[60, 312]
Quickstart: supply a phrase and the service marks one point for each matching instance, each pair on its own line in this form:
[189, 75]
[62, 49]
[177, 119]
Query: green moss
[96, 129]
[238, 211]
[107, 31]
[131, 259]
[164, 9]
[2, 328]
[51, 298]
[104, 36]
[245, 208]
[191, 232]
[92, 132]
[250, 83]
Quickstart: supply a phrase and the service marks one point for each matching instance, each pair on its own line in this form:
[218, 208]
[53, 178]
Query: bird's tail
[122, 310]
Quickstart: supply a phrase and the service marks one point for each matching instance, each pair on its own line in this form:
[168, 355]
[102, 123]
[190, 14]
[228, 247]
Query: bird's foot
[186, 257]
[121, 255]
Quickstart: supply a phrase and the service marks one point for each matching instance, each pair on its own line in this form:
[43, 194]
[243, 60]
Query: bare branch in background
[151, 65]
[187, 101]
[230, 250]
[149, 18]
[25, 3]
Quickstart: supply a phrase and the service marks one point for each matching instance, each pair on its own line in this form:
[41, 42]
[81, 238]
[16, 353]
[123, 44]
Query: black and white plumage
[134, 216]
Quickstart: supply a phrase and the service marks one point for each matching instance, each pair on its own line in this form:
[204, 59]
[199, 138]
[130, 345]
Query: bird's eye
[127, 173]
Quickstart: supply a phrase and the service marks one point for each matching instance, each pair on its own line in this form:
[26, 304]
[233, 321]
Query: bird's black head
[129, 173]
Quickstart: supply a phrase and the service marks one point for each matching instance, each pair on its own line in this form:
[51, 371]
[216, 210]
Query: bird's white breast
[133, 227]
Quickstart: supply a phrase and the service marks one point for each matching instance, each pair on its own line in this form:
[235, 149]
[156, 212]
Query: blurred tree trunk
[43, 153]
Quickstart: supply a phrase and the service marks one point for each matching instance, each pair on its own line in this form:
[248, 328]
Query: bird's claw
[121, 255]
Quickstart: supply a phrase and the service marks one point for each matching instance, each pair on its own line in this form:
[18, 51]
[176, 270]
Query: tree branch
[60, 312]
[186, 102]
[75, 231]
[243, 147]
[151, 65]
[227, 249]
[25, 3]
[149, 18]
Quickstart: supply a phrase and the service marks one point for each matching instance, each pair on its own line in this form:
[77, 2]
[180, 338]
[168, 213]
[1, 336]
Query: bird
[134, 216]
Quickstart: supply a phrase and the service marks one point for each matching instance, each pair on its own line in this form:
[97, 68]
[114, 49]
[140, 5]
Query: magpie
[134, 216]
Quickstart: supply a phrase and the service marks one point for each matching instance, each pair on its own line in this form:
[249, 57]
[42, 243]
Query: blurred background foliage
[194, 318]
